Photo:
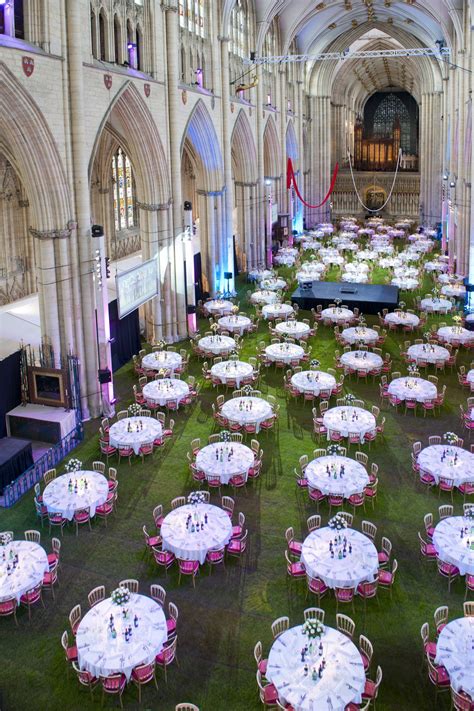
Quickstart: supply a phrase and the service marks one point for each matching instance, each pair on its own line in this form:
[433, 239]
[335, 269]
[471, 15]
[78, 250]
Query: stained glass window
[192, 16]
[381, 112]
[124, 191]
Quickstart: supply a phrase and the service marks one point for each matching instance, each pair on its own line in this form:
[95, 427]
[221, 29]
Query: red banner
[290, 179]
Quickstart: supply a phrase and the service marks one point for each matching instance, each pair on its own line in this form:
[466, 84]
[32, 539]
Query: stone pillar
[266, 247]
[227, 247]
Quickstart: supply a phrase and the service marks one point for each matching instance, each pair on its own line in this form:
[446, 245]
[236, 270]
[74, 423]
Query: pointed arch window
[125, 211]
[239, 29]
[192, 16]
[12, 20]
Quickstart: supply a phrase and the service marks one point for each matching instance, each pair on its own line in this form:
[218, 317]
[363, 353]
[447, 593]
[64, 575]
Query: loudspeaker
[191, 309]
[228, 275]
[105, 376]
[252, 56]
[97, 231]
[188, 205]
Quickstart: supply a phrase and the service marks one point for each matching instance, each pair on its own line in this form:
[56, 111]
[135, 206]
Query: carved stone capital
[169, 7]
[154, 207]
[61, 233]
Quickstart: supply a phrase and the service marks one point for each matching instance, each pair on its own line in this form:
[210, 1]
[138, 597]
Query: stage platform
[368, 298]
[40, 423]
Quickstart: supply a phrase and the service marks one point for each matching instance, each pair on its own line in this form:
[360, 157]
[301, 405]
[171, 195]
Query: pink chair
[317, 587]
[145, 450]
[107, 449]
[125, 453]
[427, 479]
[237, 546]
[55, 519]
[151, 541]
[85, 678]
[143, 674]
[446, 570]
[31, 597]
[50, 579]
[167, 656]
[115, 685]
[8, 607]
[410, 405]
[215, 557]
[438, 676]
[386, 578]
[446, 484]
[316, 496]
[189, 568]
[427, 550]
[345, 596]
[238, 481]
[357, 500]
[81, 517]
[164, 559]
[367, 591]
[335, 501]
[295, 569]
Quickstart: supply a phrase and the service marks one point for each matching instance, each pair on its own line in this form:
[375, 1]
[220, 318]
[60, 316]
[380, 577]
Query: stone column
[266, 247]
[227, 255]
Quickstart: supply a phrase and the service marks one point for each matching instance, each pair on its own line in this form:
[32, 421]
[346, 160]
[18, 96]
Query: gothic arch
[292, 144]
[244, 153]
[201, 142]
[271, 150]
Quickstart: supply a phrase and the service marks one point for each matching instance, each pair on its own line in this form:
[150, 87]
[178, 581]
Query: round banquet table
[333, 259]
[456, 290]
[296, 329]
[309, 268]
[29, 572]
[355, 567]
[449, 279]
[388, 262]
[470, 377]
[217, 345]
[247, 411]
[277, 311]
[274, 284]
[219, 306]
[405, 283]
[162, 360]
[235, 323]
[402, 318]
[259, 274]
[342, 681]
[455, 652]
[284, 259]
[101, 655]
[382, 248]
[225, 459]
[354, 277]
[410, 388]
[236, 370]
[367, 254]
[359, 334]
[285, 352]
[144, 430]
[345, 419]
[337, 314]
[337, 475]
[159, 392]
[361, 360]
[310, 274]
[440, 460]
[406, 272]
[194, 545]
[435, 305]
[58, 499]
[428, 352]
[358, 267]
[451, 547]
[435, 266]
[311, 244]
[264, 297]
[313, 381]
[448, 334]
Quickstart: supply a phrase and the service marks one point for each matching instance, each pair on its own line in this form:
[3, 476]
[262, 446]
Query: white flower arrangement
[314, 363]
[349, 398]
[450, 437]
[337, 522]
[225, 436]
[134, 409]
[73, 465]
[197, 497]
[5, 538]
[313, 629]
[161, 345]
[469, 513]
[247, 389]
[413, 370]
[120, 596]
[334, 449]
[214, 327]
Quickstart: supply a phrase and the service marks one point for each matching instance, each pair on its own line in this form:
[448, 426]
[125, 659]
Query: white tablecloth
[406, 272]
[409, 388]
[247, 410]
[357, 267]
[402, 318]
[144, 430]
[235, 323]
[451, 547]
[232, 369]
[348, 571]
[342, 681]
[100, 654]
[455, 652]
[434, 266]
[361, 360]
[336, 315]
[162, 391]
[166, 360]
[354, 277]
[286, 352]
[225, 459]
[313, 271]
[293, 329]
[274, 284]
[440, 460]
[405, 283]
[59, 499]
[264, 297]
[337, 475]
[217, 345]
[185, 543]
[455, 290]
[435, 305]
[218, 306]
[448, 334]
[284, 259]
[32, 565]
[313, 381]
[277, 310]
[342, 419]
[428, 352]
[259, 274]
[470, 377]
[388, 262]
[333, 259]
[357, 334]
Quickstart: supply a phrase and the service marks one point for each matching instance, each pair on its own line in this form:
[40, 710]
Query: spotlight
[445, 176]
[452, 184]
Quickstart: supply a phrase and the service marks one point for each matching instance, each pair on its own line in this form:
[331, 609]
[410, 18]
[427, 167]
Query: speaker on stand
[227, 293]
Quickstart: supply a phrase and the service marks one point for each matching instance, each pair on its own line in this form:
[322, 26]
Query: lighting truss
[436, 52]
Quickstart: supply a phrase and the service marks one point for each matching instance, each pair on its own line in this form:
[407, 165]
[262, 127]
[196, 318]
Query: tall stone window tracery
[125, 210]
[195, 53]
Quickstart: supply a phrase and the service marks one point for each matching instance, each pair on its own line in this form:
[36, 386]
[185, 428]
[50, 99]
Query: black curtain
[198, 277]
[10, 392]
[236, 269]
[125, 335]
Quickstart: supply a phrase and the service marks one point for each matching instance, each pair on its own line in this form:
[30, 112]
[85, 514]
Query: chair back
[49, 476]
[369, 529]
[314, 522]
[158, 593]
[178, 501]
[314, 613]
[96, 595]
[131, 584]
[281, 624]
[344, 623]
[33, 536]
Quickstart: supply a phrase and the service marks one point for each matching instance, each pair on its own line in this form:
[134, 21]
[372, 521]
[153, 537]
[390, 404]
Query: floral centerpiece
[334, 450]
[413, 370]
[402, 304]
[349, 398]
[73, 465]
[120, 596]
[225, 436]
[337, 522]
[247, 390]
[450, 437]
[469, 513]
[314, 363]
[134, 409]
[313, 629]
[197, 497]
[214, 327]
[235, 309]
[161, 345]
[5, 538]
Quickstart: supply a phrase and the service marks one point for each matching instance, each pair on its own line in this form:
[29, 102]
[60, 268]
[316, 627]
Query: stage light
[445, 177]
[452, 184]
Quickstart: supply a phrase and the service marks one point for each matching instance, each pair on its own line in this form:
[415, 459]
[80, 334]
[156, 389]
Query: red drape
[290, 178]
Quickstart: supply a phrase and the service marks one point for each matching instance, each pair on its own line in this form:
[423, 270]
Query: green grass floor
[221, 620]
